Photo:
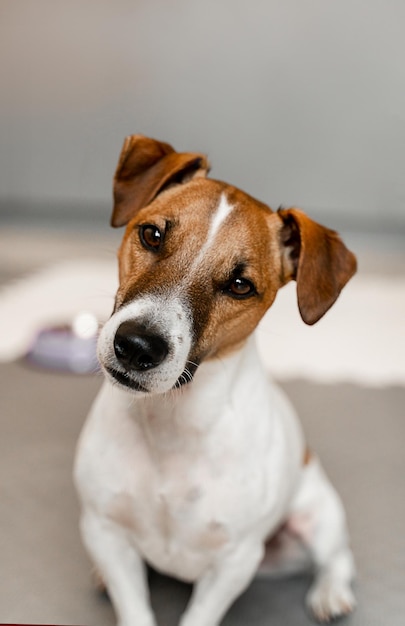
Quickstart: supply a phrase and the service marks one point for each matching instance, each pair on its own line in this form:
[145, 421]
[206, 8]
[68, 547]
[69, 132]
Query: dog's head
[199, 265]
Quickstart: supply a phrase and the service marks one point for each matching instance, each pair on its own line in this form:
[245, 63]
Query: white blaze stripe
[220, 216]
[222, 212]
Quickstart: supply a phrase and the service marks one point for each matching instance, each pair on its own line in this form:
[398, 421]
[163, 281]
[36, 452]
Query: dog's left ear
[317, 259]
[145, 168]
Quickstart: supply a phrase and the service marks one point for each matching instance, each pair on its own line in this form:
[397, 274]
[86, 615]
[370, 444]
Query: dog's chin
[126, 381]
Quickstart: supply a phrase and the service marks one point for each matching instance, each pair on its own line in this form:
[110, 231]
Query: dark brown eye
[151, 237]
[240, 288]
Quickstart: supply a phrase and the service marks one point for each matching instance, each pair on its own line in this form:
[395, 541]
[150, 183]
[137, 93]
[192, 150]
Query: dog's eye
[151, 237]
[240, 288]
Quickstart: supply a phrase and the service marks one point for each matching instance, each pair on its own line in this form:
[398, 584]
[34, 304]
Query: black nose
[137, 348]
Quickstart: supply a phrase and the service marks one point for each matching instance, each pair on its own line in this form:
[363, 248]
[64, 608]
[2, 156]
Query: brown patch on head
[246, 247]
[149, 170]
[198, 264]
[203, 250]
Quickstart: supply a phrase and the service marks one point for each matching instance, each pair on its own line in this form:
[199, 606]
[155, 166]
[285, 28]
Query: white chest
[186, 484]
[182, 506]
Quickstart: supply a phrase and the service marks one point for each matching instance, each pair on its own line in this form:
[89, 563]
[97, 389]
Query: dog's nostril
[137, 349]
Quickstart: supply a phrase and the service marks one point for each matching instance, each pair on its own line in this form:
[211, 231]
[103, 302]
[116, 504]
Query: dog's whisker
[192, 363]
[187, 375]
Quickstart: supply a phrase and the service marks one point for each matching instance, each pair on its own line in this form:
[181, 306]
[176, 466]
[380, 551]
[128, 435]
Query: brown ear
[317, 259]
[145, 168]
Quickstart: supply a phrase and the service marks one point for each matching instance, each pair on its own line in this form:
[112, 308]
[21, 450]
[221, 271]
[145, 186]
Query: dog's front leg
[221, 585]
[121, 568]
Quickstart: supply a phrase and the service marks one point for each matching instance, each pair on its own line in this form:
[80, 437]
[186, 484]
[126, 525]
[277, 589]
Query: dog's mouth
[126, 380]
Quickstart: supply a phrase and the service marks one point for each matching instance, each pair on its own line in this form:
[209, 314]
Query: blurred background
[296, 102]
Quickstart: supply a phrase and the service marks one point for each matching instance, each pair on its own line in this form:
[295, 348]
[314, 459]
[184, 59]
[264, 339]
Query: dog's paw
[329, 599]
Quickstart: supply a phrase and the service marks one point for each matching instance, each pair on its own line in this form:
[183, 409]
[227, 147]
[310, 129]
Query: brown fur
[145, 167]
[273, 248]
[217, 320]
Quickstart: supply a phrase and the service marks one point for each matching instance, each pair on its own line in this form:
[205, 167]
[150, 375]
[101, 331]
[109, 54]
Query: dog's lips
[124, 379]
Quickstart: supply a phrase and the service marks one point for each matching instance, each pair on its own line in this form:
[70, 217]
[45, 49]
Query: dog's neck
[199, 407]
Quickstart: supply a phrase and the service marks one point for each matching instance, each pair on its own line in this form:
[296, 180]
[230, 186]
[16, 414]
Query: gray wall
[296, 101]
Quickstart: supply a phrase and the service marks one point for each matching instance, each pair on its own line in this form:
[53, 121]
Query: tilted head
[199, 265]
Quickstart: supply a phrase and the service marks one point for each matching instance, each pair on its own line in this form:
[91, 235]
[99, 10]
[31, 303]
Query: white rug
[360, 340]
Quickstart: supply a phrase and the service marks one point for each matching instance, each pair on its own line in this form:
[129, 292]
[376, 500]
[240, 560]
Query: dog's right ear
[145, 168]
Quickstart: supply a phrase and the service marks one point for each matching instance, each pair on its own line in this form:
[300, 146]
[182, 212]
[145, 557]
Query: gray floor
[45, 575]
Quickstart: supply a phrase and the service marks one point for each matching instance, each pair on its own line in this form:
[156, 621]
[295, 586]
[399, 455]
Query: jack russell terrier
[190, 460]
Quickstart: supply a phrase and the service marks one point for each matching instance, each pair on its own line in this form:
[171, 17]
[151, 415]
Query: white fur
[223, 210]
[194, 481]
[171, 318]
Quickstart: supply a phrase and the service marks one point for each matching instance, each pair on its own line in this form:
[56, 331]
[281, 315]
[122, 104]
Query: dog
[190, 459]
